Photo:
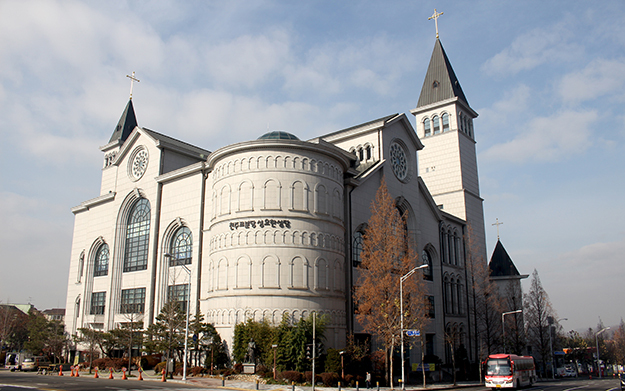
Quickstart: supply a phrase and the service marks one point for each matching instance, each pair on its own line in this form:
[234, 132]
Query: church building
[274, 225]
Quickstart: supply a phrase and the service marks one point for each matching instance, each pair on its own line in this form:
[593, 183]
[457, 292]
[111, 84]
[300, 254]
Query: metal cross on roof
[132, 80]
[497, 223]
[435, 17]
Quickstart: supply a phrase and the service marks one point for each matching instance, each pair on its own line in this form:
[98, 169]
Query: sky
[547, 79]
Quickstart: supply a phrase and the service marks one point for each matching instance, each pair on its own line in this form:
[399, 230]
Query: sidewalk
[207, 382]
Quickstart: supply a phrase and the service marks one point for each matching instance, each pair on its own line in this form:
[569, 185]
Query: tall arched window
[426, 259]
[445, 118]
[101, 266]
[181, 247]
[426, 127]
[137, 237]
[437, 124]
[357, 248]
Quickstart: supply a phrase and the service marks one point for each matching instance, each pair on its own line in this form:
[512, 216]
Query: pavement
[215, 382]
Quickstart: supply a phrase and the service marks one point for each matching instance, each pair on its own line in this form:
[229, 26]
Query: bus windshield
[498, 368]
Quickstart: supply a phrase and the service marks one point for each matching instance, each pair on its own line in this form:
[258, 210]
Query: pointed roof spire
[501, 264]
[440, 81]
[126, 124]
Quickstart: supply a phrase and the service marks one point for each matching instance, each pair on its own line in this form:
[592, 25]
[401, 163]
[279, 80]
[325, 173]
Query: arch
[299, 196]
[299, 273]
[321, 199]
[445, 120]
[321, 268]
[436, 124]
[244, 273]
[222, 274]
[246, 196]
[137, 236]
[101, 262]
[181, 247]
[270, 272]
[339, 277]
[81, 266]
[427, 130]
[224, 200]
[271, 195]
[337, 204]
[426, 258]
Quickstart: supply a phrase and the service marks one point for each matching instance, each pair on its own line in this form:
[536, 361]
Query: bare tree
[515, 330]
[619, 344]
[538, 309]
[387, 256]
[485, 305]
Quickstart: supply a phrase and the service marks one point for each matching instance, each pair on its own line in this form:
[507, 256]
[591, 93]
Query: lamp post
[597, 344]
[186, 332]
[401, 326]
[503, 326]
[274, 347]
[552, 325]
[342, 366]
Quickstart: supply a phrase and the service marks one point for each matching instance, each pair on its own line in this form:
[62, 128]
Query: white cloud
[578, 276]
[547, 138]
[249, 60]
[534, 48]
[600, 77]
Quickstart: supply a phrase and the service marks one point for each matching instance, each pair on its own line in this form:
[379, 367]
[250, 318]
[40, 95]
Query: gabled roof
[440, 81]
[501, 264]
[126, 124]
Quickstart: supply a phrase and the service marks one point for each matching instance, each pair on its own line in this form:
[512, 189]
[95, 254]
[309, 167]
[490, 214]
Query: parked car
[33, 363]
[570, 372]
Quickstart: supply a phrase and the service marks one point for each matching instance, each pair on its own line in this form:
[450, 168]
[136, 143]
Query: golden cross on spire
[132, 80]
[497, 223]
[435, 17]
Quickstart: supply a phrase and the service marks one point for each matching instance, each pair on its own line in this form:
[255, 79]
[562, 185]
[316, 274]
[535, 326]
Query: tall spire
[440, 80]
[126, 124]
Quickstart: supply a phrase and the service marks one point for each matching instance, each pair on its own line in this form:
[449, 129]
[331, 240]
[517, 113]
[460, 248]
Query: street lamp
[274, 347]
[552, 324]
[597, 343]
[401, 309]
[342, 366]
[186, 332]
[503, 326]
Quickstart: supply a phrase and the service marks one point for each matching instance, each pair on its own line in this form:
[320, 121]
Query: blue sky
[547, 78]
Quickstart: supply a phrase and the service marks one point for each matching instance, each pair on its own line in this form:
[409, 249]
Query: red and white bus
[509, 371]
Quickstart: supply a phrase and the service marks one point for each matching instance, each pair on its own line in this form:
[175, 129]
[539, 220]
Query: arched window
[368, 149]
[447, 293]
[444, 250]
[445, 118]
[181, 247]
[101, 266]
[137, 237]
[426, 127]
[81, 266]
[437, 124]
[357, 248]
[426, 259]
[361, 155]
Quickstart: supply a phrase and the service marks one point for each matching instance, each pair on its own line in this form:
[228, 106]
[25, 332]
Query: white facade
[271, 226]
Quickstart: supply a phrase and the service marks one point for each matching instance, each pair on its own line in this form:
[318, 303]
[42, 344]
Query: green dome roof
[278, 135]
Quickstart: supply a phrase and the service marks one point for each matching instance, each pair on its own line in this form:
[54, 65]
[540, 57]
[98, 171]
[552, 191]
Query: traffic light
[309, 351]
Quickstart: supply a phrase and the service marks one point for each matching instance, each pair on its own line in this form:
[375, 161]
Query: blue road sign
[413, 333]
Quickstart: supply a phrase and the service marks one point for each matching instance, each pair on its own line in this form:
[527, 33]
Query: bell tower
[448, 161]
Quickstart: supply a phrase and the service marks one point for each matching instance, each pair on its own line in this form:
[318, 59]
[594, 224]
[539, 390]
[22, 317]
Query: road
[19, 381]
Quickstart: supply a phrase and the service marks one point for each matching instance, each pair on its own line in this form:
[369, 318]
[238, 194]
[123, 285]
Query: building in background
[274, 226]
